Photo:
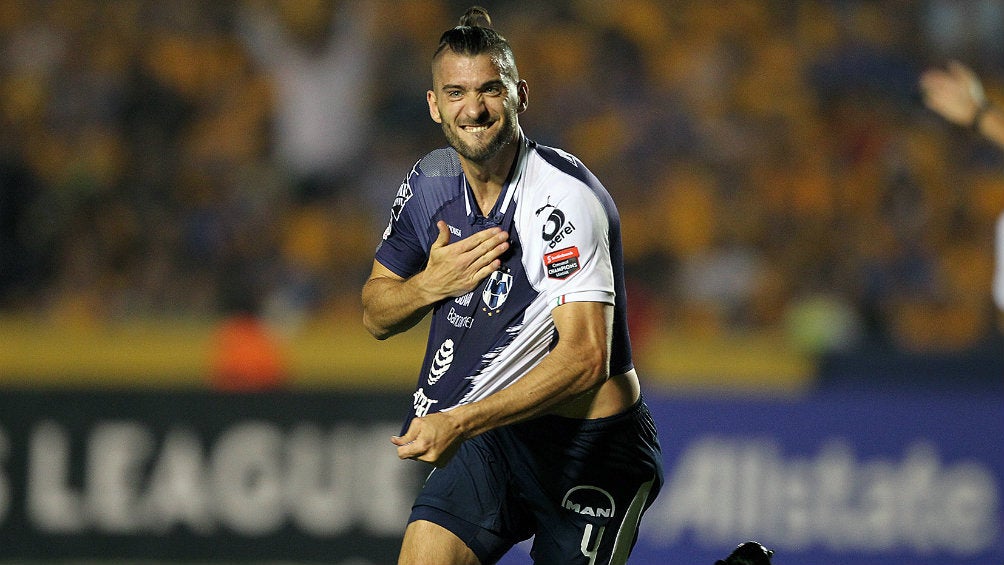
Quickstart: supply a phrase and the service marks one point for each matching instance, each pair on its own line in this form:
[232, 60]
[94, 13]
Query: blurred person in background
[528, 403]
[321, 57]
[321, 54]
[957, 94]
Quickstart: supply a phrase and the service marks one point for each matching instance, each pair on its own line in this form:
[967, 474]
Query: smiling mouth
[475, 129]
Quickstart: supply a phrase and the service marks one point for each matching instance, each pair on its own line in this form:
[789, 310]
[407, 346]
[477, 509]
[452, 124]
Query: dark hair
[475, 36]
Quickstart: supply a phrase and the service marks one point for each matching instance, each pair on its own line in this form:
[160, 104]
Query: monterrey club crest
[496, 291]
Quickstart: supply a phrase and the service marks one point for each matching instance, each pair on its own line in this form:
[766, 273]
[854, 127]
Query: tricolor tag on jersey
[562, 263]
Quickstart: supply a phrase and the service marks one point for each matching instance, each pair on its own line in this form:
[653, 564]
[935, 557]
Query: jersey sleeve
[576, 250]
[401, 250]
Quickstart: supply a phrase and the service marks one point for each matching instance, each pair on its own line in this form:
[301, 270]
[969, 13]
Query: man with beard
[527, 403]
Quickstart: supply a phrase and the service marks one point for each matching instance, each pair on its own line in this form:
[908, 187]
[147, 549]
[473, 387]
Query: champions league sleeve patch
[562, 263]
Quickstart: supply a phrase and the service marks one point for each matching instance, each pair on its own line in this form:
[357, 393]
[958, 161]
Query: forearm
[990, 124]
[391, 306]
[576, 367]
[562, 376]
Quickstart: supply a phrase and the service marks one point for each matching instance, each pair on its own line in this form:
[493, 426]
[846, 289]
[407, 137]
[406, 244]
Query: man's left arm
[578, 365]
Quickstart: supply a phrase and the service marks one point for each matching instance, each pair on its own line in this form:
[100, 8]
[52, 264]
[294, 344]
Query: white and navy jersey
[565, 246]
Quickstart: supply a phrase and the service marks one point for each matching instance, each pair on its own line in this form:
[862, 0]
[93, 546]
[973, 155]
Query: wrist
[425, 293]
[458, 422]
[981, 112]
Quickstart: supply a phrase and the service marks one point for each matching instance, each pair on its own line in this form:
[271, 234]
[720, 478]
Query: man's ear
[430, 97]
[522, 91]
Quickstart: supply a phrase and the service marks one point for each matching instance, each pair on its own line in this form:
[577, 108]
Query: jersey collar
[497, 214]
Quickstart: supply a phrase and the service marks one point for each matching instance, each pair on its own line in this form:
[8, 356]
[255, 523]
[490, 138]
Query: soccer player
[527, 403]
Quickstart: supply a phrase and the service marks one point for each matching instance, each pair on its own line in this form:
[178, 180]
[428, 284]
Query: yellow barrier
[177, 354]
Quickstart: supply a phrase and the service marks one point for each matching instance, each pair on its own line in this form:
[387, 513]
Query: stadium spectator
[957, 94]
[144, 155]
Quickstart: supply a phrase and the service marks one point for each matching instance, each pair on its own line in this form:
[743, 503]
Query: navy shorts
[579, 486]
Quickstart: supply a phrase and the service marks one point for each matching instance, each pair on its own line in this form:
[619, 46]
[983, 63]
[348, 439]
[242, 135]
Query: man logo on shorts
[589, 501]
[592, 502]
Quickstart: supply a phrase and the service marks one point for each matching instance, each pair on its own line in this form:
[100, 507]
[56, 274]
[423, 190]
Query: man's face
[476, 104]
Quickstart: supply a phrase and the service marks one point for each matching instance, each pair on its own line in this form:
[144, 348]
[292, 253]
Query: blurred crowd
[772, 161]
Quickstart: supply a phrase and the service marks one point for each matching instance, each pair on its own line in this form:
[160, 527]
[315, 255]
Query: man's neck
[487, 178]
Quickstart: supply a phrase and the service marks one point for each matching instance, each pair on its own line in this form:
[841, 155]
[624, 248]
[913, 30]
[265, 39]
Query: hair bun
[476, 16]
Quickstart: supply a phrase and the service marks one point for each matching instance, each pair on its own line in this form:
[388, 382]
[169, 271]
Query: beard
[485, 150]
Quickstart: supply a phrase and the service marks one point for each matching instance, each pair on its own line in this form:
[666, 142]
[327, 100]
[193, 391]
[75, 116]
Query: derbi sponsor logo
[556, 228]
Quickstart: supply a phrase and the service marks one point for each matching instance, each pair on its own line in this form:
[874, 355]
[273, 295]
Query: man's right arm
[991, 124]
[393, 304]
[957, 95]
